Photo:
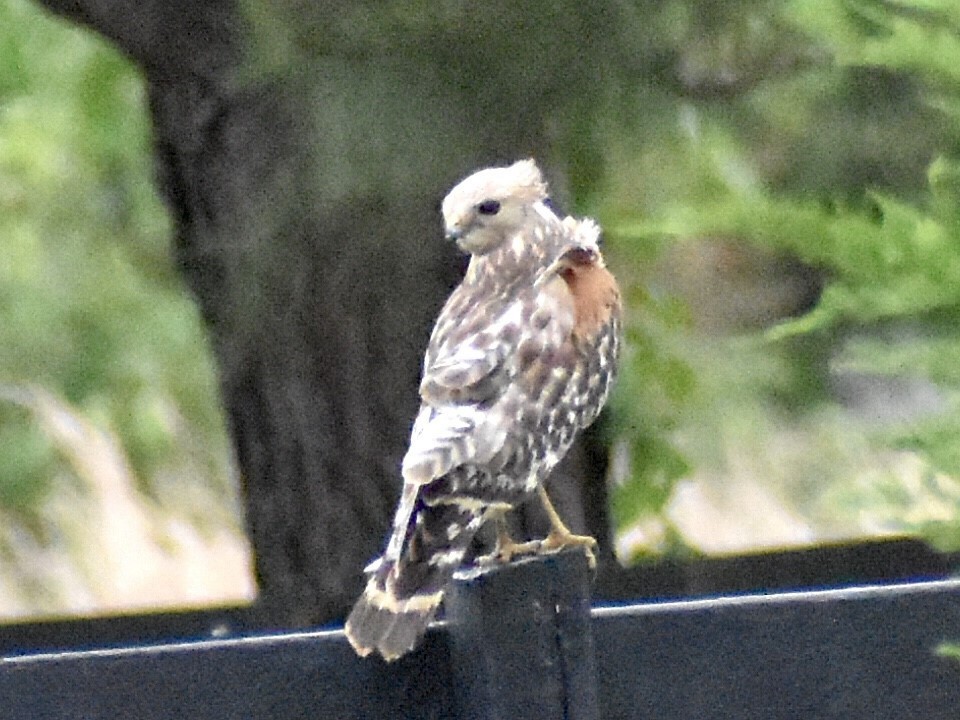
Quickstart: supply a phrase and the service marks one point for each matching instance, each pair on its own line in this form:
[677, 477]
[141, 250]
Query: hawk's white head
[488, 206]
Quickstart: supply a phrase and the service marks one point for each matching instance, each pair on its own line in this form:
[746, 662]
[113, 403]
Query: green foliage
[92, 307]
[917, 36]
[27, 459]
[654, 382]
[842, 149]
[747, 131]
[950, 650]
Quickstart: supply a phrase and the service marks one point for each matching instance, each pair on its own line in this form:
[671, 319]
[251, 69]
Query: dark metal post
[521, 641]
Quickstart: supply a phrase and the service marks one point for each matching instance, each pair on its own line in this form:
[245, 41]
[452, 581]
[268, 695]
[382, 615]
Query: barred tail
[383, 622]
[402, 597]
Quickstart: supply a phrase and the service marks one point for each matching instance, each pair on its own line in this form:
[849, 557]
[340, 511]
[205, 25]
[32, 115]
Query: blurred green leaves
[917, 36]
[840, 149]
[742, 156]
[92, 308]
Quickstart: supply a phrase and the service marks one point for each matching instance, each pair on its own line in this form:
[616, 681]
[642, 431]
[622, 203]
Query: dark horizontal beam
[285, 676]
[887, 560]
[866, 652]
[149, 628]
[840, 564]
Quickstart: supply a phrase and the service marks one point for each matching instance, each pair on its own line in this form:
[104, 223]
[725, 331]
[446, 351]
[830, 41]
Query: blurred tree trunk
[303, 151]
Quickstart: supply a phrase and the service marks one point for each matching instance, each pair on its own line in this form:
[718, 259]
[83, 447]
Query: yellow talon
[560, 536]
[507, 548]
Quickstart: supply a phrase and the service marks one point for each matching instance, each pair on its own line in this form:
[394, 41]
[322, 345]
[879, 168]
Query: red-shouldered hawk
[521, 358]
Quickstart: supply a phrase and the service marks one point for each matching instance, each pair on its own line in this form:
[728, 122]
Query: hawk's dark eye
[488, 207]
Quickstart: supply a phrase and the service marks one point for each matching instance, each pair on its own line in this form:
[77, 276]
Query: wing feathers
[520, 358]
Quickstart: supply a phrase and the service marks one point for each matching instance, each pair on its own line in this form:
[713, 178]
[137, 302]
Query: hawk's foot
[507, 548]
[561, 539]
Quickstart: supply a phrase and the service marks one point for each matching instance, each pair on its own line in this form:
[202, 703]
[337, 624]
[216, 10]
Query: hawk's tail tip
[391, 628]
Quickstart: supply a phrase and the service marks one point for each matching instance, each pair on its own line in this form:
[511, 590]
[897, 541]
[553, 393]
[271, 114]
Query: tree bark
[303, 151]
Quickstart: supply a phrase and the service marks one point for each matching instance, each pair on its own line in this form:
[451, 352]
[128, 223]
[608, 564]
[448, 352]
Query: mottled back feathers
[521, 357]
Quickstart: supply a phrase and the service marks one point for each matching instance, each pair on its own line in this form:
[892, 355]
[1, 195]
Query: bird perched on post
[521, 357]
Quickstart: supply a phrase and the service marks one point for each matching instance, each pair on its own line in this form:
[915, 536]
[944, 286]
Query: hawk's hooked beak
[455, 225]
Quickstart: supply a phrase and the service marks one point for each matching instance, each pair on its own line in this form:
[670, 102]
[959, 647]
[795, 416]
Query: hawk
[521, 357]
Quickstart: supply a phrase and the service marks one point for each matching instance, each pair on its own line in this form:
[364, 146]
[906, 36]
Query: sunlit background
[786, 224]
[117, 488]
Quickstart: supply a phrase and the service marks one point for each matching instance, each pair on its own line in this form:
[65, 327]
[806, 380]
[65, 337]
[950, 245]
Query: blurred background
[779, 183]
[117, 486]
